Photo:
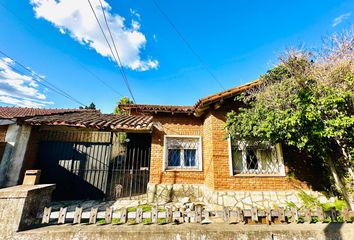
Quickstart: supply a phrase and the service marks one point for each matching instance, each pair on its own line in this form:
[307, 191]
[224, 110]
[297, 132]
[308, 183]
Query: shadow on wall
[307, 169]
[5, 162]
[332, 231]
[76, 175]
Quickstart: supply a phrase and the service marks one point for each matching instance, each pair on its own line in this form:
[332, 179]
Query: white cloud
[341, 18]
[134, 13]
[19, 89]
[75, 17]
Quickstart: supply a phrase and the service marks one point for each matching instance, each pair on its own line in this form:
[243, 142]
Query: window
[183, 152]
[252, 157]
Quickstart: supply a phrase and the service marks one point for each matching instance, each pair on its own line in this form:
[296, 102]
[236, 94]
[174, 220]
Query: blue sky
[238, 40]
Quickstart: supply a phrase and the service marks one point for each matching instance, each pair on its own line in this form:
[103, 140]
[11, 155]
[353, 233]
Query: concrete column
[20, 205]
[16, 145]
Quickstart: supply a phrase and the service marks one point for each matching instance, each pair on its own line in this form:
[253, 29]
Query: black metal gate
[94, 165]
[129, 170]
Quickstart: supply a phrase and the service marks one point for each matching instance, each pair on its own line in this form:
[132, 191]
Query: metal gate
[129, 167]
[94, 165]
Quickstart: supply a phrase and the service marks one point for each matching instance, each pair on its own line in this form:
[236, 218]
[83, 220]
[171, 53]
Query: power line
[118, 63]
[101, 80]
[114, 45]
[115, 48]
[44, 80]
[44, 85]
[81, 65]
[180, 35]
[49, 86]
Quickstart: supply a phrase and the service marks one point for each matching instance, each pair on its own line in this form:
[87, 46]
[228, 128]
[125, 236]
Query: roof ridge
[202, 102]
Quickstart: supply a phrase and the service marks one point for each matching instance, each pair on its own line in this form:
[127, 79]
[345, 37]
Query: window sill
[183, 170]
[257, 175]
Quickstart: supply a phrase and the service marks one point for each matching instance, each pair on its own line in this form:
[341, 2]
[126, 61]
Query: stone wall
[20, 205]
[164, 193]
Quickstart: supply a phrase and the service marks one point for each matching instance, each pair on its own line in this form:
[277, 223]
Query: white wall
[16, 145]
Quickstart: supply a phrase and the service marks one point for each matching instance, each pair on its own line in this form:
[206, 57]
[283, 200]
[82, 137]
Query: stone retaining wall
[163, 193]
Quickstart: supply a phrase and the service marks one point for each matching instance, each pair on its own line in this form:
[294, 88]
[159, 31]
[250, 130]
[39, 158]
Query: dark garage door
[79, 169]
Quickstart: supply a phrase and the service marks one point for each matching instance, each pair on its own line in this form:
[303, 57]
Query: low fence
[159, 215]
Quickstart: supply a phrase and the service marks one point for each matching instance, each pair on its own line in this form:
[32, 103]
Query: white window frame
[199, 162]
[279, 152]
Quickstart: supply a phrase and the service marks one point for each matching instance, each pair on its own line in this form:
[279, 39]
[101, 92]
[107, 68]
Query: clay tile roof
[198, 108]
[225, 94]
[158, 108]
[95, 119]
[21, 112]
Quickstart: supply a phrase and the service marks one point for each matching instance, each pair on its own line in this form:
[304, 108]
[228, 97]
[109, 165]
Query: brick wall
[222, 178]
[3, 130]
[177, 124]
[208, 151]
[216, 169]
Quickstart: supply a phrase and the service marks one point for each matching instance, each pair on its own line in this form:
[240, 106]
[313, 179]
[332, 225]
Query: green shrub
[308, 200]
[290, 204]
[338, 204]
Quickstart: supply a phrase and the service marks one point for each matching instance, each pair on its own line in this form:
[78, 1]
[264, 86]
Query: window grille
[183, 152]
[252, 157]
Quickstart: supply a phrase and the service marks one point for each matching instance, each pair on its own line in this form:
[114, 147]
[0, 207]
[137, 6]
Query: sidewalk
[190, 231]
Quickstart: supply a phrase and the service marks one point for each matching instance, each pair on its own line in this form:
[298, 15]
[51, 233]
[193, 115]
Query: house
[162, 153]
[14, 138]
[82, 151]
[192, 155]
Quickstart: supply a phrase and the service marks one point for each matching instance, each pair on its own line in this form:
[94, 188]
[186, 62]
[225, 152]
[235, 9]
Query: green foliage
[147, 221]
[291, 204]
[131, 209]
[115, 220]
[101, 222]
[308, 200]
[307, 101]
[91, 106]
[314, 219]
[338, 204]
[145, 207]
[300, 219]
[122, 101]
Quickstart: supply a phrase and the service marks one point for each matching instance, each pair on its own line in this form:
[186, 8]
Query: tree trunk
[347, 158]
[339, 183]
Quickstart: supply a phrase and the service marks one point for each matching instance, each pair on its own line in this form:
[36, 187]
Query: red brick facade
[215, 151]
[177, 124]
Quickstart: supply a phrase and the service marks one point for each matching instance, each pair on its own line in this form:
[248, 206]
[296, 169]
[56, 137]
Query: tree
[307, 102]
[122, 101]
[91, 106]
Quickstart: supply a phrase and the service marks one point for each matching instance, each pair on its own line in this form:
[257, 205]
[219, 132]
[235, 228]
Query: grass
[146, 208]
[101, 221]
[115, 220]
